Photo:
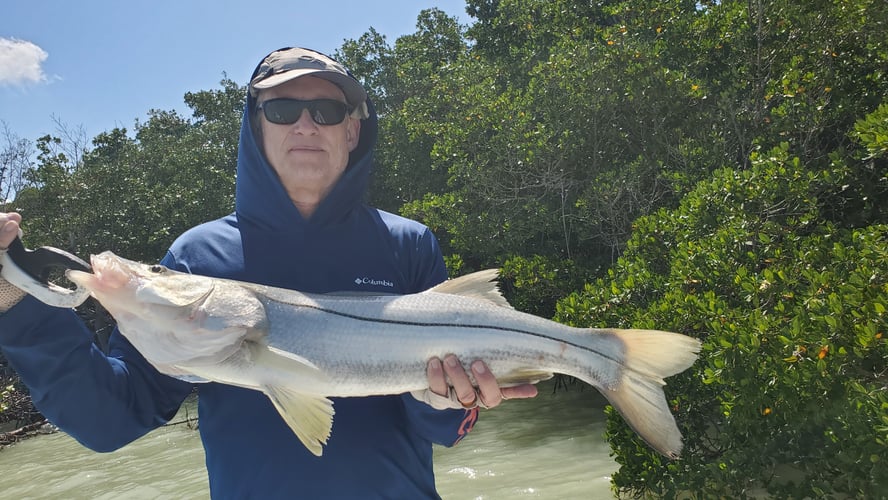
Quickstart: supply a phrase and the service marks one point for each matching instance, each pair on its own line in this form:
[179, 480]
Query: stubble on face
[308, 158]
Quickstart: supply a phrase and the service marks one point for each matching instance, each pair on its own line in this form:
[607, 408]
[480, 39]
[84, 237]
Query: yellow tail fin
[650, 356]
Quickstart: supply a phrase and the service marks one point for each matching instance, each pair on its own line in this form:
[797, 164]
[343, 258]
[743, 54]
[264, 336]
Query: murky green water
[547, 448]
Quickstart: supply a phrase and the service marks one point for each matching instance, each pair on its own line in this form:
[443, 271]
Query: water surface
[551, 447]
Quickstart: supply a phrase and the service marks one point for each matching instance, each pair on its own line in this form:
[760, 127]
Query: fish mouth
[108, 274]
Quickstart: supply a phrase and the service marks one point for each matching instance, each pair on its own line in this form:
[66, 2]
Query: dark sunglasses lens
[326, 111]
[282, 111]
[287, 111]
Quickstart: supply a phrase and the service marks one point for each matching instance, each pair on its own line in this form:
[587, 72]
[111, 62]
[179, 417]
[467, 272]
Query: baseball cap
[290, 63]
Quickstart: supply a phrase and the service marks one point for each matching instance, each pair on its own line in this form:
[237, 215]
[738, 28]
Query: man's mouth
[305, 148]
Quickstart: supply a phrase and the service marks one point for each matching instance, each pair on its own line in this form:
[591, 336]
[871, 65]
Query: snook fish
[301, 349]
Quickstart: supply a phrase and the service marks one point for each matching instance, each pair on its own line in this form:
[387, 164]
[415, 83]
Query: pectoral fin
[309, 415]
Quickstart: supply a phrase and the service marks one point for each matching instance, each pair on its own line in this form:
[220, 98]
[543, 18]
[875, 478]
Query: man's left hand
[488, 393]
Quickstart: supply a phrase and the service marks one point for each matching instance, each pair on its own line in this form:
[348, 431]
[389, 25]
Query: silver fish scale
[328, 331]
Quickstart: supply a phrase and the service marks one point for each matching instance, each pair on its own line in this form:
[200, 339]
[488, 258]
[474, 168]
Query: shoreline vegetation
[19, 419]
[26, 431]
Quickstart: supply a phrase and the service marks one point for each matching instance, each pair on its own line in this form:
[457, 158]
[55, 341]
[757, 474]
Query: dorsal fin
[480, 285]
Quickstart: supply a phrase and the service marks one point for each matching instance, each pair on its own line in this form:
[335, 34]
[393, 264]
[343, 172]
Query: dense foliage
[789, 395]
[133, 195]
[717, 168]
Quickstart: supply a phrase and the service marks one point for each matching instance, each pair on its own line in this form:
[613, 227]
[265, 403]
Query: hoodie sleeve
[444, 427]
[102, 401]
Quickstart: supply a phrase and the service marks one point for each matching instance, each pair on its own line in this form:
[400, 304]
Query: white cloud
[20, 62]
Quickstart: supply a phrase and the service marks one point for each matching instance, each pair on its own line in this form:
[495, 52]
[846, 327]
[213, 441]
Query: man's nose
[305, 123]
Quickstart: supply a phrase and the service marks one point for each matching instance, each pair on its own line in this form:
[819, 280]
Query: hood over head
[260, 197]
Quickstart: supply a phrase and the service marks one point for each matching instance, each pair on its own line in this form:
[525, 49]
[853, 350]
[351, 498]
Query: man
[303, 165]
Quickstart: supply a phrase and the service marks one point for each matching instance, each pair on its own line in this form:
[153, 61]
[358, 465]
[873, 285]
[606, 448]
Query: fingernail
[451, 361]
[479, 367]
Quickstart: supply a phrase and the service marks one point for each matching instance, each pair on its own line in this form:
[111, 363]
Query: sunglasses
[285, 111]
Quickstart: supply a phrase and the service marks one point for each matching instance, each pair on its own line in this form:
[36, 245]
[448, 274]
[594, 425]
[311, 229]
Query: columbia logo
[370, 281]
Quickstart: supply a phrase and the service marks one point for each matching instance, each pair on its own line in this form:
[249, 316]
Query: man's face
[308, 158]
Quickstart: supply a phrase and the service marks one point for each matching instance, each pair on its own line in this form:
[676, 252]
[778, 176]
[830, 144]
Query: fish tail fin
[650, 356]
[308, 415]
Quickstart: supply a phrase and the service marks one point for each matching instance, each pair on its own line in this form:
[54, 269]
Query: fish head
[169, 316]
[117, 280]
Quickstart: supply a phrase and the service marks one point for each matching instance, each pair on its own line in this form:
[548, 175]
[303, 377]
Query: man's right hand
[10, 295]
[9, 228]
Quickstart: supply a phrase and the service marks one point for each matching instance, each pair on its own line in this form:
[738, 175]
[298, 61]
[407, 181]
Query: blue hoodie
[380, 447]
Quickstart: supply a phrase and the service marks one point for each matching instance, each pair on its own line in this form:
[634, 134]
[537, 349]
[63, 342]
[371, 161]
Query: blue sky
[100, 64]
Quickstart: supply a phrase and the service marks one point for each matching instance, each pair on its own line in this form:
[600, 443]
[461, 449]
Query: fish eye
[157, 269]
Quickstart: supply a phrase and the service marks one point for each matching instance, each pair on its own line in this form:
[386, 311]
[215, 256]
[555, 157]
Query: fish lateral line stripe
[453, 325]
